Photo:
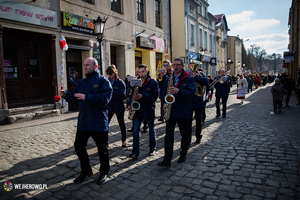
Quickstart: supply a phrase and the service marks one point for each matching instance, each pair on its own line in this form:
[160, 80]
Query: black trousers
[198, 117]
[277, 105]
[224, 102]
[288, 97]
[162, 112]
[101, 140]
[185, 132]
[120, 118]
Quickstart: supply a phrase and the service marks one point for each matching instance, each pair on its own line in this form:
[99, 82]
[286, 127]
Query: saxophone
[135, 105]
[169, 98]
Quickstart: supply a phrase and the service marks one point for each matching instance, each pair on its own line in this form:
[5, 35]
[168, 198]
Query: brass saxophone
[135, 105]
[200, 91]
[169, 98]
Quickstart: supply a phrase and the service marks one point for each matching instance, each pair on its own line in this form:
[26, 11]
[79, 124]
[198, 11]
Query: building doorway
[28, 67]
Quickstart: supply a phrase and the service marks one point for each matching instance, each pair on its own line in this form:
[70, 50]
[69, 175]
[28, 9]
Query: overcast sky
[263, 22]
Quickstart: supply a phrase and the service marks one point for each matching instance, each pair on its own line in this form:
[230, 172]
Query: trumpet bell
[169, 99]
[135, 105]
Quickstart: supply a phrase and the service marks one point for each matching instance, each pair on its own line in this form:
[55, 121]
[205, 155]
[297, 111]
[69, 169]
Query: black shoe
[217, 116]
[145, 129]
[160, 119]
[151, 153]
[101, 179]
[164, 164]
[287, 106]
[81, 177]
[133, 156]
[130, 130]
[197, 141]
[181, 159]
[224, 116]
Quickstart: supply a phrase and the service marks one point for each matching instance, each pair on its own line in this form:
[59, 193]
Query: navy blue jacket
[93, 113]
[116, 103]
[163, 86]
[149, 92]
[197, 102]
[222, 89]
[182, 107]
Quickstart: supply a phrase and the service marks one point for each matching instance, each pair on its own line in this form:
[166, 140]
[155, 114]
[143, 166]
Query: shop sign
[29, 14]
[138, 54]
[206, 58]
[193, 56]
[77, 23]
[146, 42]
[213, 61]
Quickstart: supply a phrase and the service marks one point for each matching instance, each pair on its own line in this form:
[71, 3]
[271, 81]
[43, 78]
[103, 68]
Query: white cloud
[257, 24]
[242, 17]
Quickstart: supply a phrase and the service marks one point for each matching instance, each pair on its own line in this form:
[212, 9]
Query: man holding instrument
[183, 87]
[222, 86]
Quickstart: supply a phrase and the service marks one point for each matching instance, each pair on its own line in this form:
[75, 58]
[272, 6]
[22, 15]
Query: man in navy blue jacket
[116, 104]
[93, 94]
[201, 83]
[222, 92]
[163, 83]
[183, 89]
[146, 96]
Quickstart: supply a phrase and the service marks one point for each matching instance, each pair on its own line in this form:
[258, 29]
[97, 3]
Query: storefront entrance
[28, 67]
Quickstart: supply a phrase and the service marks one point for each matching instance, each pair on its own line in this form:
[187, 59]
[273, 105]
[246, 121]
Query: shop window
[158, 13]
[140, 10]
[116, 5]
[10, 59]
[34, 68]
[158, 62]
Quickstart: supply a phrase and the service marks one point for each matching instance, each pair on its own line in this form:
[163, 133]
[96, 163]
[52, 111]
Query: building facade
[294, 40]
[136, 31]
[194, 34]
[222, 42]
[234, 55]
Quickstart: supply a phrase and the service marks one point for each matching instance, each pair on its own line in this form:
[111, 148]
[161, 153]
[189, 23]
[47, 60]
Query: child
[278, 91]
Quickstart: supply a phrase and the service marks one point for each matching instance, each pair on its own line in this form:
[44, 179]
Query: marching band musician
[182, 89]
[146, 96]
[222, 91]
[163, 83]
[116, 104]
[198, 100]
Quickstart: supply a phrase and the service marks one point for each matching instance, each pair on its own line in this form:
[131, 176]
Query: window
[157, 13]
[205, 39]
[116, 5]
[210, 43]
[201, 38]
[88, 1]
[200, 9]
[140, 10]
[192, 8]
[205, 12]
[192, 35]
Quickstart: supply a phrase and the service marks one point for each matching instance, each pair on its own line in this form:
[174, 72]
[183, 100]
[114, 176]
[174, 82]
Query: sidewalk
[249, 155]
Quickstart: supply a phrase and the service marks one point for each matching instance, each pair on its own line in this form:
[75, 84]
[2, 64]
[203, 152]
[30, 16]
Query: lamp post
[99, 29]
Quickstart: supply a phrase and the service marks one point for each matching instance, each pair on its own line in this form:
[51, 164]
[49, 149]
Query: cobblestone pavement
[251, 154]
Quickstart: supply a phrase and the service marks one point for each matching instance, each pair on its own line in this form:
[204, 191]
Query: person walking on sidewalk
[277, 91]
[250, 82]
[182, 88]
[256, 78]
[116, 104]
[289, 85]
[93, 93]
[222, 91]
[146, 96]
[241, 89]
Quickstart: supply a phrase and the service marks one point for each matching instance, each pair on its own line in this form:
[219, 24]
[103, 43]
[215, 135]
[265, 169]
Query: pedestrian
[198, 100]
[289, 85]
[256, 80]
[163, 83]
[222, 91]
[146, 97]
[250, 82]
[182, 88]
[93, 93]
[241, 89]
[116, 104]
[277, 91]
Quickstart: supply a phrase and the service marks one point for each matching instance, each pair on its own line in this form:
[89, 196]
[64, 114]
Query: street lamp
[99, 29]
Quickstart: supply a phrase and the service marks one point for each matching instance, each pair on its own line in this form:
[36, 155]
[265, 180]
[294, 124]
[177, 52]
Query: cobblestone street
[251, 154]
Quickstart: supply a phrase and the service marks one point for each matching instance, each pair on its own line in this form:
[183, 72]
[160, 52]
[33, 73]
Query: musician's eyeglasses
[165, 65]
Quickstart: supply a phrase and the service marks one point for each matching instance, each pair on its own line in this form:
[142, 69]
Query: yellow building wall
[178, 29]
